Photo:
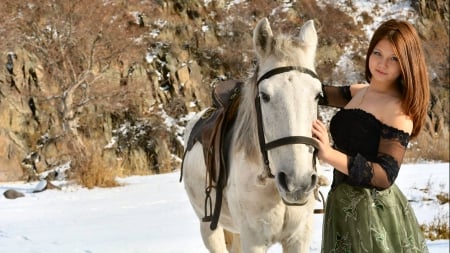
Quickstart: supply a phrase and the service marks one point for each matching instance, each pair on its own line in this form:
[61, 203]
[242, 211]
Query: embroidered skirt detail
[361, 220]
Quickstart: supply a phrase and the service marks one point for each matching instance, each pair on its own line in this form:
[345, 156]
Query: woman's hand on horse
[320, 134]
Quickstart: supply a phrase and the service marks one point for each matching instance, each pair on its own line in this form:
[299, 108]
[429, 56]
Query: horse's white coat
[254, 208]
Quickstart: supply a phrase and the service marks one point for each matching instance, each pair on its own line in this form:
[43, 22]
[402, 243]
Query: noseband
[265, 147]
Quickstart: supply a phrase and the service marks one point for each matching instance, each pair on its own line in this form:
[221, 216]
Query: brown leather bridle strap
[280, 70]
[262, 140]
[291, 140]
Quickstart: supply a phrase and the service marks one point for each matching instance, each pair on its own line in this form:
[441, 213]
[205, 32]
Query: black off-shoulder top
[374, 150]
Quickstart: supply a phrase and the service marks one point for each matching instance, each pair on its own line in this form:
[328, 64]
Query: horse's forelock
[284, 47]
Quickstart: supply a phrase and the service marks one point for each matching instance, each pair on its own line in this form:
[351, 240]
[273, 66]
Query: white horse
[271, 135]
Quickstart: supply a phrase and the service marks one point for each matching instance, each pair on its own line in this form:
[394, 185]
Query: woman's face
[384, 64]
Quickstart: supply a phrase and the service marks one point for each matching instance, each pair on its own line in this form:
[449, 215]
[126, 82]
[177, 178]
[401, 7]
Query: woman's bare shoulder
[393, 115]
[355, 88]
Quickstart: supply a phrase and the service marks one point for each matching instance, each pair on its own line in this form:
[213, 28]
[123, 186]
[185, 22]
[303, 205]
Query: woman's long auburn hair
[413, 82]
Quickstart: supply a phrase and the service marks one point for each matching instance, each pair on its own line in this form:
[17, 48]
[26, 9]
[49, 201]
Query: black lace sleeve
[336, 96]
[381, 171]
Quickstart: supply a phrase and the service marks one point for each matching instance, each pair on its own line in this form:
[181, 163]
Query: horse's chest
[253, 200]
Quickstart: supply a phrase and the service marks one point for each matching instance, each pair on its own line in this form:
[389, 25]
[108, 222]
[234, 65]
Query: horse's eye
[265, 98]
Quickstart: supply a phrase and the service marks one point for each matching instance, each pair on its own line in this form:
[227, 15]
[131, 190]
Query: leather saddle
[211, 131]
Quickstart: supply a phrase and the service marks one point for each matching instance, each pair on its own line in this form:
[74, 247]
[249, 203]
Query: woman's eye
[265, 98]
[394, 59]
[376, 53]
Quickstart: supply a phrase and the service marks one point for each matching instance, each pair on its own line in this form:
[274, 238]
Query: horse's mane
[246, 135]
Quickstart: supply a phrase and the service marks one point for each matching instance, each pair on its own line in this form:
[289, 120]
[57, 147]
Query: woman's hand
[326, 153]
[320, 134]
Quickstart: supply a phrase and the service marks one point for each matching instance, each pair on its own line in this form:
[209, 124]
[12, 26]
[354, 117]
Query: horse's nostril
[282, 180]
[314, 179]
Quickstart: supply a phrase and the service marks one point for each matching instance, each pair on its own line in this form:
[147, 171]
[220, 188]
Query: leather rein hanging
[265, 147]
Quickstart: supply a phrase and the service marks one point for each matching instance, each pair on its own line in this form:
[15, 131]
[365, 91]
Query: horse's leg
[228, 239]
[214, 240]
[233, 242]
[300, 241]
[252, 242]
[296, 247]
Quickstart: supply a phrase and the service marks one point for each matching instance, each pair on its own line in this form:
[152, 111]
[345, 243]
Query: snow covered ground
[153, 214]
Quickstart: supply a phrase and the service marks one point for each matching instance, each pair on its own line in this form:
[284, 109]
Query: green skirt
[366, 220]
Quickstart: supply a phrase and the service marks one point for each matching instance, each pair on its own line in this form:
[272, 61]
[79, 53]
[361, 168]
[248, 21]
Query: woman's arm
[379, 173]
[339, 96]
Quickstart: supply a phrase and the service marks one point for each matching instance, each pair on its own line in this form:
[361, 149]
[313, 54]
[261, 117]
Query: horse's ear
[308, 35]
[263, 38]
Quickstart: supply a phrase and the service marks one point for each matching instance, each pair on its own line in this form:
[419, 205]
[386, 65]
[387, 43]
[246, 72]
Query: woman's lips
[381, 72]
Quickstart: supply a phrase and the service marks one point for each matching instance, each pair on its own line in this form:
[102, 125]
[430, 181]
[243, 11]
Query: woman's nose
[383, 62]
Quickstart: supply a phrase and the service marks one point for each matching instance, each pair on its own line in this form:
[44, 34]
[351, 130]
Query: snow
[153, 214]
[379, 10]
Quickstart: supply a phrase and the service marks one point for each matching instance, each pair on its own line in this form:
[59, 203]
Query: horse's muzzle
[293, 194]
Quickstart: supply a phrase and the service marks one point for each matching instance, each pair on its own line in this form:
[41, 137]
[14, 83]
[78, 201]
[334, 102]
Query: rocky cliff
[106, 85]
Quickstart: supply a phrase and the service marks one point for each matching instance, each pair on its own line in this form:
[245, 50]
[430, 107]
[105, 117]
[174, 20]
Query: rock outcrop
[117, 92]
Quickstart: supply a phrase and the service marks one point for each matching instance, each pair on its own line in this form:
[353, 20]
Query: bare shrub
[145, 146]
[437, 229]
[89, 169]
[135, 162]
[176, 108]
[77, 43]
[95, 174]
[81, 45]
[430, 146]
[443, 198]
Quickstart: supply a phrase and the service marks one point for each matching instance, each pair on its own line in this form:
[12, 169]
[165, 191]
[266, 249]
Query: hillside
[97, 89]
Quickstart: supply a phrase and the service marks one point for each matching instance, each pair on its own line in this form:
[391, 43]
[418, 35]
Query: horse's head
[287, 91]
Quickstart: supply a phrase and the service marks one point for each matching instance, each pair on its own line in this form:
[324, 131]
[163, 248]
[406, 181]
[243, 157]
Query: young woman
[366, 211]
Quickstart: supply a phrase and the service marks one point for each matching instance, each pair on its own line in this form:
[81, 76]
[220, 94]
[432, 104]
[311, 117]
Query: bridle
[289, 140]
